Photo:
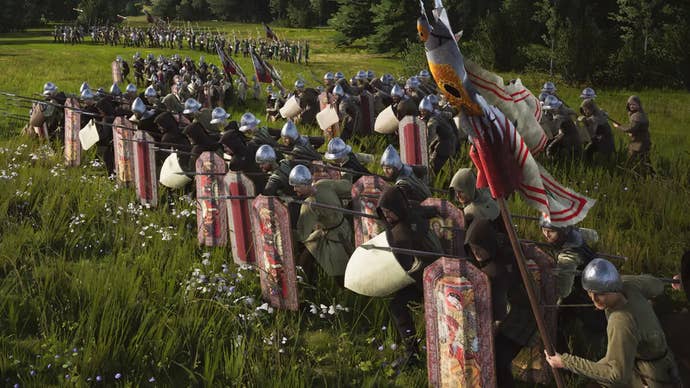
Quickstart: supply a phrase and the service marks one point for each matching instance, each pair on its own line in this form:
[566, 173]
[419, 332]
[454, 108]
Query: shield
[88, 136]
[366, 107]
[72, 128]
[327, 117]
[145, 169]
[116, 72]
[365, 197]
[449, 226]
[459, 325]
[37, 120]
[211, 214]
[386, 122]
[375, 272]
[291, 108]
[530, 364]
[239, 223]
[172, 174]
[413, 143]
[319, 172]
[273, 242]
[123, 150]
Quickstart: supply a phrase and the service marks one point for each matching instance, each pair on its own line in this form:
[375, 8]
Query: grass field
[95, 289]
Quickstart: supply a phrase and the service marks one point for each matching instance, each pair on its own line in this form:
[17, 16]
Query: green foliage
[342, 21]
[394, 23]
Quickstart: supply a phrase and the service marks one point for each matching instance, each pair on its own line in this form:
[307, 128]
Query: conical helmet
[391, 158]
[138, 106]
[218, 116]
[248, 122]
[300, 176]
[337, 149]
[289, 131]
[265, 154]
[115, 90]
[600, 276]
[191, 106]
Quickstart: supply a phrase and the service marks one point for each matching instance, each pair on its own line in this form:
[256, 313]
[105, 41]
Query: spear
[412, 252]
[600, 254]
[238, 197]
[335, 208]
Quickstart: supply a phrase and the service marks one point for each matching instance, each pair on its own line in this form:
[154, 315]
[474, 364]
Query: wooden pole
[527, 281]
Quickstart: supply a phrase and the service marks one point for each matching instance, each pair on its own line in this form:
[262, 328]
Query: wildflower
[312, 309]
[383, 328]
[67, 377]
[152, 380]
[206, 262]
[331, 310]
[394, 346]
[118, 376]
[99, 378]
[32, 373]
[380, 348]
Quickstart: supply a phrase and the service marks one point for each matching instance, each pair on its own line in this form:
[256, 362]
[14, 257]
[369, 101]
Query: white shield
[172, 174]
[88, 136]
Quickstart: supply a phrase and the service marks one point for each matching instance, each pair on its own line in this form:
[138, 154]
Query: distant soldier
[278, 181]
[567, 142]
[597, 125]
[300, 146]
[341, 154]
[404, 176]
[637, 354]
[440, 135]
[402, 104]
[588, 94]
[476, 203]
[638, 130]
[308, 102]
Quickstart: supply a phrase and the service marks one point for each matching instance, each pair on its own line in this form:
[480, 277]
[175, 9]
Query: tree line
[607, 42]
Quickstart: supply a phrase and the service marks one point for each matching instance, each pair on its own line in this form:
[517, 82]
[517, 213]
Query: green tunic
[637, 353]
[327, 234]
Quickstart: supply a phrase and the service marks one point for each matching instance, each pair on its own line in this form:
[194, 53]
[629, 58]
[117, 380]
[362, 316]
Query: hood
[394, 200]
[466, 181]
[166, 122]
[235, 141]
[481, 233]
[590, 105]
[197, 136]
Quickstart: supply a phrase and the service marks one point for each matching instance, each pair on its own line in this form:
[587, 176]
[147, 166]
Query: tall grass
[92, 284]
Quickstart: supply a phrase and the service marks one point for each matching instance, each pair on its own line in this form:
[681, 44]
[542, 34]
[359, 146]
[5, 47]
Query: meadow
[96, 289]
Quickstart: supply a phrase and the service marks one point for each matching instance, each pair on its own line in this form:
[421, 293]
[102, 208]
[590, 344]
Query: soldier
[588, 94]
[54, 115]
[637, 354]
[638, 130]
[329, 82]
[407, 227]
[249, 125]
[413, 91]
[130, 93]
[597, 125]
[549, 89]
[348, 112]
[194, 113]
[144, 118]
[219, 119]
[173, 101]
[404, 176]
[309, 103]
[440, 135]
[278, 181]
[476, 203]
[515, 327]
[341, 154]
[300, 146]
[138, 69]
[567, 141]
[326, 234]
[402, 105]
[151, 96]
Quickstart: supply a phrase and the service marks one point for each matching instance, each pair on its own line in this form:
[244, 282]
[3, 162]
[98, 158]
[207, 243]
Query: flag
[229, 64]
[505, 165]
[270, 34]
[263, 73]
[514, 100]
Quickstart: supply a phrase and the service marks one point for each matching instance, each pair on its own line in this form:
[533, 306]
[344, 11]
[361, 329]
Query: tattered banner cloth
[263, 74]
[505, 164]
[514, 100]
[229, 65]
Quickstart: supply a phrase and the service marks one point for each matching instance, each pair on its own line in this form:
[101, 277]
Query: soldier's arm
[566, 264]
[616, 368]
[634, 127]
[648, 285]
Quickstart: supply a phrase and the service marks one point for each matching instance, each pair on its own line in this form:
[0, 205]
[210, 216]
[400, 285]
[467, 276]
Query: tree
[394, 23]
[352, 21]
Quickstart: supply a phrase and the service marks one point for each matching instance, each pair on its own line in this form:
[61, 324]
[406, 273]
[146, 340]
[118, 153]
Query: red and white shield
[123, 134]
[239, 220]
[413, 141]
[211, 212]
[145, 180]
[365, 197]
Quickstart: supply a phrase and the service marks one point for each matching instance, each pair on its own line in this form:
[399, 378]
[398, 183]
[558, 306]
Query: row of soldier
[285, 164]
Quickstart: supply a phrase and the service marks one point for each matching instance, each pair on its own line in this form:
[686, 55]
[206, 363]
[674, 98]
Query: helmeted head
[588, 93]
[328, 78]
[87, 95]
[339, 91]
[412, 83]
[248, 122]
[202, 59]
[337, 150]
[600, 276]
[49, 89]
[115, 90]
[191, 106]
[391, 162]
[424, 74]
[150, 92]
[370, 75]
[138, 106]
[554, 234]
[289, 132]
[552, 103]
[339, 75]
[426, 108]
[265, 155]
[100, 92]
[433, 98]
[464, 183]
[361, 75]
[299, 177]
[219, 116]
[387, 79]
[397, 92]
[299, 85]
[84, 86]
[118, 58]
[548, 88]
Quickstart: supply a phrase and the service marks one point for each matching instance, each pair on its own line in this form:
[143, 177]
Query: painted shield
[273, 242]
[366, 106]
[124, 150]
[239, 223]
[318, 172]
[291, 108]
[530, 364]
[365, 197]
[413, 143]
[116, 72]
[324, 100]
[459, 325]
[145, 169]
[72, 127]
[211, 213]
[449, 226]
